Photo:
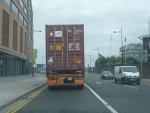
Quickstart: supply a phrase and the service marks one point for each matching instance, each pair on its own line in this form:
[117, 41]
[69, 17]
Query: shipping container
[65, 54]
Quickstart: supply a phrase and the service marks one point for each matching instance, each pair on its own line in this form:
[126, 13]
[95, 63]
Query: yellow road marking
[16, 108]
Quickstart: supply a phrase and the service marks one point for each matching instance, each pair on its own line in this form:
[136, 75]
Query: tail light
[51, 78]
[79, 77]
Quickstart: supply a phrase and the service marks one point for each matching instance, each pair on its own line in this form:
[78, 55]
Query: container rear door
[75, 47]
[64, 46]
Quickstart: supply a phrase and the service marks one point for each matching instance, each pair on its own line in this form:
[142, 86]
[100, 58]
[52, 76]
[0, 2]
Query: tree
[131, 59]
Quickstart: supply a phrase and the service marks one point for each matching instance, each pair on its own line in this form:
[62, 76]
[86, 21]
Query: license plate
[69, 78]
[132, 79]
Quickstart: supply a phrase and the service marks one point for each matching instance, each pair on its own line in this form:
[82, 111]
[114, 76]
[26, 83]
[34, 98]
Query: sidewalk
[13, 87]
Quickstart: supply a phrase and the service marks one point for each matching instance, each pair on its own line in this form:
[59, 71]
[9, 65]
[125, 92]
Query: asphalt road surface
[98, 96]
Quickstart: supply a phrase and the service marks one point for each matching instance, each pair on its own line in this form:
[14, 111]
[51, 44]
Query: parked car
[106, 74]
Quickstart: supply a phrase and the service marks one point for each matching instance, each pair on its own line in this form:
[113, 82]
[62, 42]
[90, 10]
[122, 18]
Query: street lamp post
[125, 50]
[90, 60]
[110, 48]
[33, 54]
[98, 55]
[42, 63]
[121, 43]
[141, 57]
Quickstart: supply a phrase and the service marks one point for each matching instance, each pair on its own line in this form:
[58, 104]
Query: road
[98, 96]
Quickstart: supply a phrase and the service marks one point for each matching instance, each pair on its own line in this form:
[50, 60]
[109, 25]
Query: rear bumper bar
[51, 85]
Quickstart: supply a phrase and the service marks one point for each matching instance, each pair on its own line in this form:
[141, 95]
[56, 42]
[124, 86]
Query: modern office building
[16, 37]
[135, 50]
[146, 45]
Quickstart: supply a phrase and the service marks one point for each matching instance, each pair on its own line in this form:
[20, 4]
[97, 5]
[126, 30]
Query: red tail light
[79, 77]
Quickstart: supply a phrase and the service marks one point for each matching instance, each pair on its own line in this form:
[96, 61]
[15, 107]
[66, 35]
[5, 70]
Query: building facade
[146, 45]
[135, 50]
[16, 37]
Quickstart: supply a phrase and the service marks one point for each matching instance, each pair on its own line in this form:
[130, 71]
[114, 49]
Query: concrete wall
[145, 69]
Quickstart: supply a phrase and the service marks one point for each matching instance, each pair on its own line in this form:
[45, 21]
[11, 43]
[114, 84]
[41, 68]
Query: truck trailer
[65, 55]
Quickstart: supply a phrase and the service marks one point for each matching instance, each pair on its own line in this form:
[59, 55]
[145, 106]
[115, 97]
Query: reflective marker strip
[105, 103]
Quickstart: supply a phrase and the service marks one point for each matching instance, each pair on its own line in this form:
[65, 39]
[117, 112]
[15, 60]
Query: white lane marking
[131, 87]
[103, 101]
[98, 82]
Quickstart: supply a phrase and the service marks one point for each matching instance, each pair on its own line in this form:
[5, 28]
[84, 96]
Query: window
[25, 10]
[21, 4]
[25, 44]
[15, 9]
[21, 40]
[15, 30]
[8, 2]
[25, 23]
[20, 17]
[129, 69]
[5, 29]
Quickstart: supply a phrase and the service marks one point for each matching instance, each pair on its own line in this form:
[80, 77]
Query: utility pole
[125, 49]
[149, 27]
[110, 48]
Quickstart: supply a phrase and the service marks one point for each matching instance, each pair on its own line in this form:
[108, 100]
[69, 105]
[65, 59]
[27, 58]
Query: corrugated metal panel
[65, 47]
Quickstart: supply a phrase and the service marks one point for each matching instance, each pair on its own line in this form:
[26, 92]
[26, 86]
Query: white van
[126, 74]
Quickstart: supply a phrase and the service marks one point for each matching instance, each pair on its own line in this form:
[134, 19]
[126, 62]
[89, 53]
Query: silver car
[106, 74]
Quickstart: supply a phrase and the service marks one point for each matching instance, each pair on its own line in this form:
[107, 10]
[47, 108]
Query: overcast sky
[100, 19]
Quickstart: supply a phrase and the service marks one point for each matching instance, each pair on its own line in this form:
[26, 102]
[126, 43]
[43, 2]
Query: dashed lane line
[131, 87]
[98, 83]
[103, 101]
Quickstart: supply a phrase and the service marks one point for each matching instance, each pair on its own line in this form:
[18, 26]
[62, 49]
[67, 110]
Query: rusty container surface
[65, 48]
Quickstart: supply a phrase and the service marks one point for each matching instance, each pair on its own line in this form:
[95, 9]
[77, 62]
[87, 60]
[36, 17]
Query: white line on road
[98, 82]
[103, 101]
[131, 87]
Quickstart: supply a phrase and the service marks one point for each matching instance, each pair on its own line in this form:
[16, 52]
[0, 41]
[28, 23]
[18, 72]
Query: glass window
[14, 8]
[25, 23]
[21, 3]
[8, 2]
[129, 69]
[20, 17]
[107, 72]
[25, 10]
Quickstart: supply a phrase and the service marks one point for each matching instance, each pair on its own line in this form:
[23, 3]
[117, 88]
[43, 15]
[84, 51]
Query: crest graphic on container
[50, 61]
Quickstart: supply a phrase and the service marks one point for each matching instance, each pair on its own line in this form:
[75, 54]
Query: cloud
[100, 19]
